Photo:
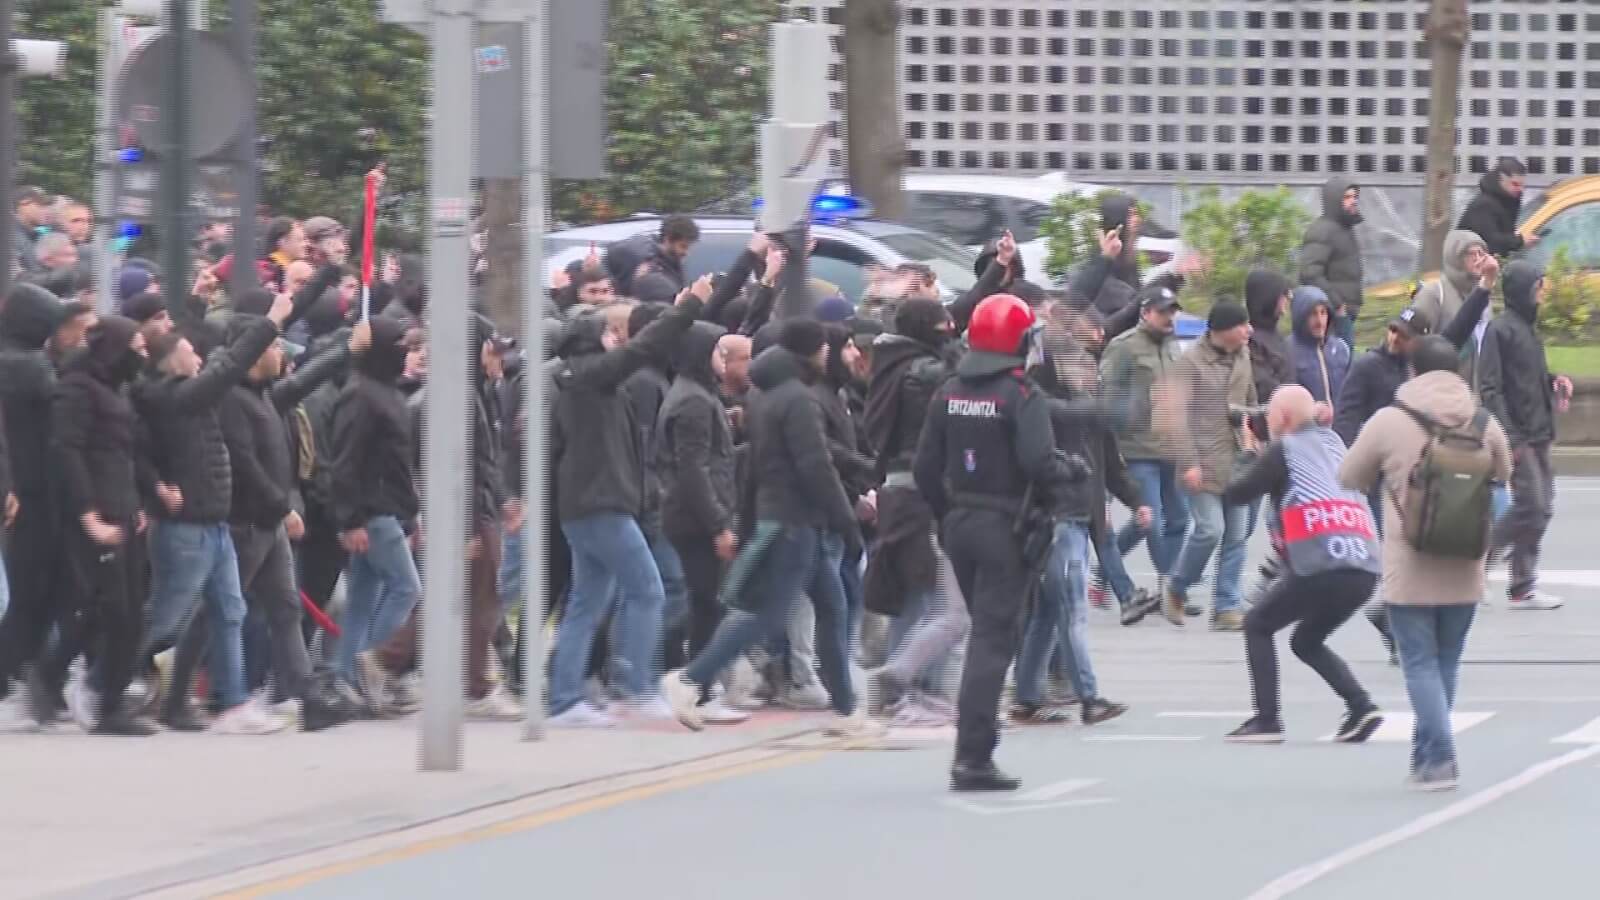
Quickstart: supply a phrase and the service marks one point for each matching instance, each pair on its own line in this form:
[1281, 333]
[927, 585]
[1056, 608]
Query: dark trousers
[106, 622]
[702, 573]
[266, 573]
[1533, 495]
[35, 565]
[1320, 603]
[988, 564]
[319, 559]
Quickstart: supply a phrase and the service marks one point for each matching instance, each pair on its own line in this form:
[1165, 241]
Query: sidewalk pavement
[88, 816]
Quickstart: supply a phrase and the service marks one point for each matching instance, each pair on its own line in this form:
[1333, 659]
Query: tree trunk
[502, 283]
[1447, 38]
[875, 149]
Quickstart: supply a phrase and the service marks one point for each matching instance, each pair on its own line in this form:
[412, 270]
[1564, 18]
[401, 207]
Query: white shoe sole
[1254, 739]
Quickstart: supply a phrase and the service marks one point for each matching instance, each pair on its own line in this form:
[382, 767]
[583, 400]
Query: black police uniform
[986, 438]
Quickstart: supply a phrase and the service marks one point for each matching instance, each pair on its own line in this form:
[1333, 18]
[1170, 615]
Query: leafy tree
[687, 87]
[1258, 230]
[55, 116]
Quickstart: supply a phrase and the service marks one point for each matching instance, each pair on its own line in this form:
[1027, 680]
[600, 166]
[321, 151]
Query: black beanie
[1226, 315]
[143, 307]
[254, 302]
[1435, 353]
[802, 337]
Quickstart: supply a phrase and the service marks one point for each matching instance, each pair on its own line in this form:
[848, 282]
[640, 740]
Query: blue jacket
[1320, 366]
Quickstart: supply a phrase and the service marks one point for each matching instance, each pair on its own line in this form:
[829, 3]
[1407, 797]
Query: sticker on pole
[492, 59]
[450, 216]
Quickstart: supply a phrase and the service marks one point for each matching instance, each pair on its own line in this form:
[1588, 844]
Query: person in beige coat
[1432, 599]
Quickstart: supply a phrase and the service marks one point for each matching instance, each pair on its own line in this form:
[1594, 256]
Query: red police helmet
[999, 324]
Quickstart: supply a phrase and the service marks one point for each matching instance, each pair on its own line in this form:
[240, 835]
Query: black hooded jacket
[857, 469]
[596, 444]
[28, 385]
[694, 444]
[794, 478]
[185, 425]
[373, 437]
[1513, 376]
[95, 430]
[1112, 285]
[1492, 215]
[1270, 360]
[907, 369]
[1330, 258]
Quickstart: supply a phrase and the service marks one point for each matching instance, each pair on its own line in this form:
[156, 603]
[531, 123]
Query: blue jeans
[1430, 640]
[1112, 569]
[1499, 502]
[188, 563]
[1214, 524]
[855, 597]
[509, 581]
[1062, 614]
[799, 561]
[381, 589]
[5, 588]
[1158, 487]
[674, 611]
[609, 553]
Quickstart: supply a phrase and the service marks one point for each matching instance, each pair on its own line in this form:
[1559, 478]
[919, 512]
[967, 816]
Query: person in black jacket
[192, 551]
[34, 555]
[803, 526]
[95, 434]
[374, 500]
[857, 469]
[267, 512]
[600, 467]
[695, 453]
[1515, 384]
[1266, 296]
[1111, 280]
[1493, 213]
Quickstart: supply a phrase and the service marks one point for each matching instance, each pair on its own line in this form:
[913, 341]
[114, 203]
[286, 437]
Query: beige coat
[1193, 419]
[1389, 446]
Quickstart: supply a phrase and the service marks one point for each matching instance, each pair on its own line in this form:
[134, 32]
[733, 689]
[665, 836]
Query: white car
[844, 250]
[973, 209]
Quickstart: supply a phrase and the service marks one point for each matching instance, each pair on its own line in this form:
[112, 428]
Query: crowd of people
[888, 508]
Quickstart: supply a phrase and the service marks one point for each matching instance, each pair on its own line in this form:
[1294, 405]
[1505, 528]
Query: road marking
[1588, 734]
[1057, 790]
[983, 810]
[1305, 875]
[1569, 577]
[1218, 714]
[517, 825]
[1397, 727]
[1136, 738]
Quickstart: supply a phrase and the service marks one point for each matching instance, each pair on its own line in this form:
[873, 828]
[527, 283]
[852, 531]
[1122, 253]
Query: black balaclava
[107, 353]
[920, 320]
[385, 360]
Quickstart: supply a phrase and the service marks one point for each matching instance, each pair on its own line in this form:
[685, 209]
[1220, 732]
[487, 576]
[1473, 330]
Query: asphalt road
[1154, 804]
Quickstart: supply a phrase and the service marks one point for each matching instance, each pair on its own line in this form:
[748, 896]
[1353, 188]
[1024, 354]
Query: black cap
[1158, 297]
[1435, 353]
[1414, 321]
[1227, 315]
[803, 337]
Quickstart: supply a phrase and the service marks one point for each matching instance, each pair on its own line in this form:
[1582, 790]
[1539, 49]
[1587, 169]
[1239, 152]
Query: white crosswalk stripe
[1588, 734]
[1397, 726]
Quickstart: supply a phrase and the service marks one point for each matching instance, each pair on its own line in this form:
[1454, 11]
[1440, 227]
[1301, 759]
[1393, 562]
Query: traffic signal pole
[175, 164]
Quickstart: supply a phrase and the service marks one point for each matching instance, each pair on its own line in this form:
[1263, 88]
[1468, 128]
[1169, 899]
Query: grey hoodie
[1441, 299]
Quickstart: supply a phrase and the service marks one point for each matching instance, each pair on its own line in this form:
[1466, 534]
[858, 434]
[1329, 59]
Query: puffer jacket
[95, 430]
[694, 444]
[1330, 258]
[373, 437]
[1320, 364]
[28, 387]
[1492, 216]
[184, 418]
[794, 478]
[1135, 362]
[905, 374]
[1513, 376]
[1198, 429]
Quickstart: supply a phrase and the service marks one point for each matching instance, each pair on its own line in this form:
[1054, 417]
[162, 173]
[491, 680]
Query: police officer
[986, 439]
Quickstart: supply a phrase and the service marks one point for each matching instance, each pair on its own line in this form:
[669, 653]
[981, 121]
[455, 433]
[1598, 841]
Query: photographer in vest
[1329, 545]
[1437, 454]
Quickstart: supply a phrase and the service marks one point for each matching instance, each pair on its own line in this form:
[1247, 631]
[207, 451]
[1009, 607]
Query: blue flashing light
[831, 206]
[130, 231]
[130, 155]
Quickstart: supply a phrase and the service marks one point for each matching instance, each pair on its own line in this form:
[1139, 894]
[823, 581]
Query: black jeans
[107, 623]
[702, 573]
[266, 573]
[987, 560]
[1522, 527]
[1320, 603]
[35, 565]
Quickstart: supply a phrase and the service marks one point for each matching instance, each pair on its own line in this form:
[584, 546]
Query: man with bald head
[1326, 536]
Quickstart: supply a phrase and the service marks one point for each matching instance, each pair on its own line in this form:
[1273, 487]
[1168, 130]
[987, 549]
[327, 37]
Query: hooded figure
[1330, 258]
[1014, 281]
[695, 450]
[1440, 300]
[1320, 363]
[1493, 214]
[372, 436]
[1264, 294]
[1513, 376]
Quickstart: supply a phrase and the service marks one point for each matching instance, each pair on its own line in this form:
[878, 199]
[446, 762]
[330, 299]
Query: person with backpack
[1514, 380]
[1330, 554]
[1437, 454]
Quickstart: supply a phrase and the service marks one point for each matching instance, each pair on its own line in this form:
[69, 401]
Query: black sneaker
[1143, 604]
[1259, 730]
[1358, 725]
[44, 700]
[1193, 610]
[982, 777]
[184, 718]
[125, 724]
[1101, 710]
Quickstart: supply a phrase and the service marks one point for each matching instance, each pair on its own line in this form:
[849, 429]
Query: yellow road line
[513, 826]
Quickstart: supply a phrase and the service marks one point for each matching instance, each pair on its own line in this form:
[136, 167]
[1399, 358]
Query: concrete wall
[1580, 425]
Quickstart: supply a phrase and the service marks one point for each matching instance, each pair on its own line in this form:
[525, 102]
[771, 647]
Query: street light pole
[242, 35]
[175, 165]
[534, 519]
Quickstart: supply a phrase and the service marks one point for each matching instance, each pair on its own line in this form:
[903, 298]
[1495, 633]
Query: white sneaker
[683, 698]
[1536, 601]
[718, 712]
[496, 706]
[653, 708]
[14, 713]
[405, 692]
[82, 701]
[743, 682]
[810, 696]
[856, 726]
[372, 679]
[582, 715]
[248, 718]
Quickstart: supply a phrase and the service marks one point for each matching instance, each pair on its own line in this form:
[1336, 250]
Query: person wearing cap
[1431, 599]
[1205, 434]
[1134, 364]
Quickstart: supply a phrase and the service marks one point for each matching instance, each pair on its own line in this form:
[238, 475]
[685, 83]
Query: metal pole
[447, 443]
[534, 538]
[242, 35]
[175, 165]
[104, 172]
[8, 143]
